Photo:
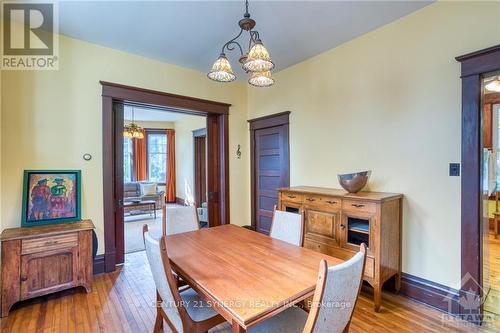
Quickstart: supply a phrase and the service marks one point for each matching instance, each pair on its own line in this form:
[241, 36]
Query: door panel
[322, 226]
[271, 171]
[118, 111]
[42, 273]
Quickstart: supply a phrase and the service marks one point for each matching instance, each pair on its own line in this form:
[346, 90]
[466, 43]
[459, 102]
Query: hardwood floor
[123, 301]
[492, 303]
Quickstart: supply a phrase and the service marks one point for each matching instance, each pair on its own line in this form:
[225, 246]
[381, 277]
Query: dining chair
[288, 227]
[184, 312]
[335, 296]
[179, 219]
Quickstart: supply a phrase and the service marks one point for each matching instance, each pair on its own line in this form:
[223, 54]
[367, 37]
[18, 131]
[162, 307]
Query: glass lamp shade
[258, 59]
[221, 70]
[261, 79]
[493, 86]
[132, 131]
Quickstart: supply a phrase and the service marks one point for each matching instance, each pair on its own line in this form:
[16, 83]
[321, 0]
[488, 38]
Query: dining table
[246, 276]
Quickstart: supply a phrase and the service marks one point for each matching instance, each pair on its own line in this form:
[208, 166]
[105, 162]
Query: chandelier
[132, 130]
[493, 84]
[257, 61]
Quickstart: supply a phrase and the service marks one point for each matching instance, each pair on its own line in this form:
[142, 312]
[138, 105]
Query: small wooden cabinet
[337, 222]
[40, 260]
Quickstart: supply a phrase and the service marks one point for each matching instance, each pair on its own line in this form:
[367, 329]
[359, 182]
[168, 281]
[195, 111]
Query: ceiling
[191, 33]
[145, 114]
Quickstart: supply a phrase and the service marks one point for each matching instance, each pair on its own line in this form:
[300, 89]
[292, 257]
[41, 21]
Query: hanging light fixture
[493, 84]
[256, 61]
[132, 130]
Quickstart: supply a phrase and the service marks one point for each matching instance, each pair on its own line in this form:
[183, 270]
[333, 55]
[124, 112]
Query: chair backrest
[165, 283]
[336, 293]
[180, 219]
[288, 227]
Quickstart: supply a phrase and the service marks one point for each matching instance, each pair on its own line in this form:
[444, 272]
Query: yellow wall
[51, 118]
[389, 101]
[184, 154]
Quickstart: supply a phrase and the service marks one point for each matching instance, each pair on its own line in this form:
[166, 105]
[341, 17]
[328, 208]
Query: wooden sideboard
[337, 222]
[40, 260]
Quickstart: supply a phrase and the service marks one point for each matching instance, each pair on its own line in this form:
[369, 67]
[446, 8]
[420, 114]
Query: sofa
[132, 192]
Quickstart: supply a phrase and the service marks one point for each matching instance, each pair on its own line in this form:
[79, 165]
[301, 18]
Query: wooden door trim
[273, 120]
[217, 140]
[473, 68]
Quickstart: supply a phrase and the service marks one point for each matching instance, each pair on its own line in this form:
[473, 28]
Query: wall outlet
[455, 169]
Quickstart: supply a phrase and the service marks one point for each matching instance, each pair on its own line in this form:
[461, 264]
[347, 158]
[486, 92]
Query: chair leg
[346, 329]
[158, 323]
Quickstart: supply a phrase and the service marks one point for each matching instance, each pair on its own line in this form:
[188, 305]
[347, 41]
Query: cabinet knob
[24, 278]
[342, 226]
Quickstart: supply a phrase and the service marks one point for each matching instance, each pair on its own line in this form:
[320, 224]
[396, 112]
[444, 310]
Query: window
[157, 156]
[128, 158]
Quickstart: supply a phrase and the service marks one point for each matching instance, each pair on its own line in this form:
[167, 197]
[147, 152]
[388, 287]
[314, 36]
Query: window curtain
[171, 194]
[140, 164]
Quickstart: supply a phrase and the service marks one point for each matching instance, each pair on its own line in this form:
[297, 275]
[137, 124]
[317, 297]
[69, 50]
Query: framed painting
[51, 196]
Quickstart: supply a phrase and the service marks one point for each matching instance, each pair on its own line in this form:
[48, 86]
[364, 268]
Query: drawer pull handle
[342, 226]
[310, 199]
[358, 205]
[292, 196]
[49, 243]
[331, 202]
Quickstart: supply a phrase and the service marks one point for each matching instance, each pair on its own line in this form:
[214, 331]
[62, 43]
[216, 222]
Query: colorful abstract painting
[50, 197]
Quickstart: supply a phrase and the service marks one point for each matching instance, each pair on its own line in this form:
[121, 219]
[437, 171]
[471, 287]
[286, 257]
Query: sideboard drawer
[49, 243]
[291, 197]
[318, 200]
[359, 206]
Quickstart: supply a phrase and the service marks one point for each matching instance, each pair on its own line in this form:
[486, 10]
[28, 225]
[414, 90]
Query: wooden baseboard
[99, 264]
[430, 293]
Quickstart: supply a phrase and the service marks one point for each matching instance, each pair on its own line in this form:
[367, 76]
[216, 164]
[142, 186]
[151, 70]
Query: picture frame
[50, 197]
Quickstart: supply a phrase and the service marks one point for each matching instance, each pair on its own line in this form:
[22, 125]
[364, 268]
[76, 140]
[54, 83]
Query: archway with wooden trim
[114, 96]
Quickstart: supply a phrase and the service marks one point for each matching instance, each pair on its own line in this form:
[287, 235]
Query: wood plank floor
[123, 301]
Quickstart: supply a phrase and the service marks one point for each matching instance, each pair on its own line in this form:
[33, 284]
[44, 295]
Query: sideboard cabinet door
[47, 272]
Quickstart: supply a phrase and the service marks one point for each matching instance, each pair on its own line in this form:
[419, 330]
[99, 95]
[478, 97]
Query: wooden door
[118, 110]
[270, 169]
[47, 272]
[200, 166]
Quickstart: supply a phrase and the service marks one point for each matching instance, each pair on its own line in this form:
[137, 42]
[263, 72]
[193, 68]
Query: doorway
[114, 99]
[478, 181]
[270, 166]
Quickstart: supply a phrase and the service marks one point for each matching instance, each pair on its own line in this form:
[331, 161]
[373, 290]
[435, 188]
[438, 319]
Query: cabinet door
[357, 228]
[322, 226]
[47, 272]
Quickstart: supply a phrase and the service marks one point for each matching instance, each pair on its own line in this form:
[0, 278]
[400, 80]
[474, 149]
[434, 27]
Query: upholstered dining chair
[336, 294]
[184, 312]
[179, 219]
[288, 227]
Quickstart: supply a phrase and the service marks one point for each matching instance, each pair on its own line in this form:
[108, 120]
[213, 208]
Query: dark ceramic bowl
[354, 182]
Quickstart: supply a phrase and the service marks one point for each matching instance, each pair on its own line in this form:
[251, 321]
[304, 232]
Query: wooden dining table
[246, 276]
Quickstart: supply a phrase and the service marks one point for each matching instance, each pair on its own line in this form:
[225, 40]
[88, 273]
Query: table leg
[237, 328]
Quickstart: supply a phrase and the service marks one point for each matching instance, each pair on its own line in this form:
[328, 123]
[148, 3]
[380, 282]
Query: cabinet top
[45, 230]
[371, 196]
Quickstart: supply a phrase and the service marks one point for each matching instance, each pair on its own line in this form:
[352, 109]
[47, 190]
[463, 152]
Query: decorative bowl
[354, 182]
